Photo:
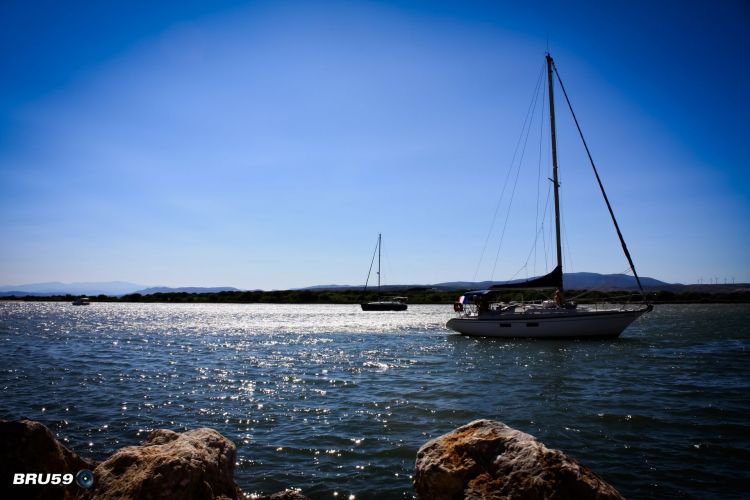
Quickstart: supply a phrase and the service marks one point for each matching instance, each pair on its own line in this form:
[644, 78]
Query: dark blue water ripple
[333, 400]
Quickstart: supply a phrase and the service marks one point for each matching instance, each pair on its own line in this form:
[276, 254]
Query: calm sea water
[334, 400]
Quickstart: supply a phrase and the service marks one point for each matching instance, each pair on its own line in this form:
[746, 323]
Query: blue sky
[266, 144]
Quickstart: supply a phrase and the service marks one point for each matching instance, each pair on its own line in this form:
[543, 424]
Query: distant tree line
[416, 296]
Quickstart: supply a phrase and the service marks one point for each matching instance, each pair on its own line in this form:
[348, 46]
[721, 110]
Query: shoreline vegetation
[417, 295]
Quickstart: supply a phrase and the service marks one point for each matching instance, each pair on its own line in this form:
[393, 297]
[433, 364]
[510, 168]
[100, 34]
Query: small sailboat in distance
[382, 303]
[480, 314]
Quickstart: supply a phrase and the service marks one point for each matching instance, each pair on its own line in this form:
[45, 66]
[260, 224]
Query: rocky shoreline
[483, 459]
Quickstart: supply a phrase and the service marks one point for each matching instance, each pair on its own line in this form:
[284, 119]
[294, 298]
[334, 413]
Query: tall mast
[379, 239]
[554, 162]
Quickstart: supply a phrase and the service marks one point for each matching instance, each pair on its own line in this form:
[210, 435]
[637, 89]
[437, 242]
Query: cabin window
[504, 325]
[532, 324]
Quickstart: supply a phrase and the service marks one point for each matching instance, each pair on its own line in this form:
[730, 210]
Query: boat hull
[577, 324]
[383, 306]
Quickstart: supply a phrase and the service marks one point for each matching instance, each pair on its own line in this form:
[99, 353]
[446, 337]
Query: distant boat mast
[380, 237]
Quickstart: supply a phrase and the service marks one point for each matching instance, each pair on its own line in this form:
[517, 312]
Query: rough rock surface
[28, 446]
[486, 459]
[197, 464]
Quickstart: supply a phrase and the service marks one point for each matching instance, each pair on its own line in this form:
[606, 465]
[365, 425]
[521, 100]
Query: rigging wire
[601, 186]
[539, 175]
[530, 115]
[507, 177]
[547, 216]
[370, 270]
[626, 271]
[567, 255]
[539, 221]
[608, 298]
[540, 230]
[539, 180]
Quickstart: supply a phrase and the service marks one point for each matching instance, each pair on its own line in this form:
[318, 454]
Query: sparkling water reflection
[331, 399]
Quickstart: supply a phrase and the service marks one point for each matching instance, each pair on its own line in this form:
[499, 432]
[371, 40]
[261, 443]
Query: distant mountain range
[588, 281]
[187, 289]
[114, 288]
[57, 288]
[579, 281]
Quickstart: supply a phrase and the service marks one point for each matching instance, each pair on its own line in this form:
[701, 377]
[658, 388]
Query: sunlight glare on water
[328, 398]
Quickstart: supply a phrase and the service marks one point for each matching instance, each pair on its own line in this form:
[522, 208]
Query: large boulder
[486, 459]
[197, 464]
[27, 446]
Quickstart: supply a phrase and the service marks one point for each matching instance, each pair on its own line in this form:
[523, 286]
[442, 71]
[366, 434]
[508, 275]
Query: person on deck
[559, 298]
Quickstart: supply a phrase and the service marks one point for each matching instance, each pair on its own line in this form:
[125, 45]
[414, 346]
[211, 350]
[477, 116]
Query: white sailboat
[383, 303]
[479, 315]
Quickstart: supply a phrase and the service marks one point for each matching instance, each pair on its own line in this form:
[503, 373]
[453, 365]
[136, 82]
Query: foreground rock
[27, 446]
[197, 464]
[481, 460]
[486, 459]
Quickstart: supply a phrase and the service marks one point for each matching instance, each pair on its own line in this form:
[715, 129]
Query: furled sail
[551, 280]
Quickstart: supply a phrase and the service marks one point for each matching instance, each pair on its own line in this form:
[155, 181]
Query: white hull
[548, 325]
